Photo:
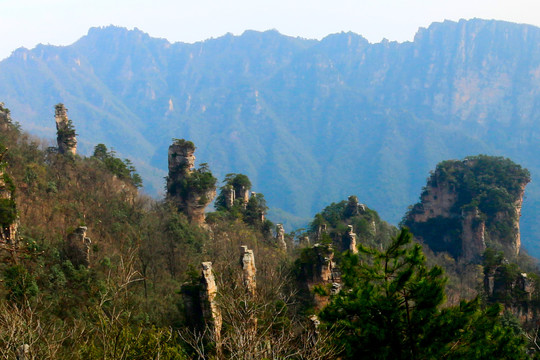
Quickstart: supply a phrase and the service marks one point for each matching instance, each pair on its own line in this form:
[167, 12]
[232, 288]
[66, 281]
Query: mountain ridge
[309, 121]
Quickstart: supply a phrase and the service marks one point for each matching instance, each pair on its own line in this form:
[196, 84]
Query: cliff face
[469, 205]
[191, 189]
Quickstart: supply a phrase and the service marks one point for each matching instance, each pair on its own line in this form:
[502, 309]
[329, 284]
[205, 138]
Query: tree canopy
[391, 308]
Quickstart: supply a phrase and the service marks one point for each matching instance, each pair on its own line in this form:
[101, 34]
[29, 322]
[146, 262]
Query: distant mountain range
[310, 122]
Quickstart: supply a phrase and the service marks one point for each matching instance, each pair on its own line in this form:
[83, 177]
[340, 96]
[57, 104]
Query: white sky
[61, 22]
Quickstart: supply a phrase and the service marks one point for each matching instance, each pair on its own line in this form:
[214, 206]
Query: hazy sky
[61, 22]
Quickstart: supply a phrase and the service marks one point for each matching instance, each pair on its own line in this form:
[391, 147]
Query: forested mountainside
[308, 121]
[91, 269]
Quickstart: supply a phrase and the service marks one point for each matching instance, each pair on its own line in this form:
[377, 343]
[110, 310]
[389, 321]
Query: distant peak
[265, 32]
[349, 38]
[106, 33]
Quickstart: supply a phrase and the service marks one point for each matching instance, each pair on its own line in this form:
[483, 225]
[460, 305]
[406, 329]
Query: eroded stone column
[210, 309]
[247, 261]
[280, 237]
[65, 132]
[188, 197]
[320, 232]
[304, 241]
[229, 197]
[243, 194]
[351, 238]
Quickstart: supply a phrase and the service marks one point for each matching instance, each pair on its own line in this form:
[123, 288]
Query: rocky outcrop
[5, 118]
[201, 309]
[314, 324]
[473, 232]
[78, 247]
[210, 309]
[318, 269]
[237, 190]
[66, 137]
[354, 208]
[23, 352]
[325, 268]
[350, 238]
[9, 220]
[514, 291]
[242, 193]
[470, 205]
[230, 195]
[181, 158]
[280, 237]
[436, 201]
[191, 190]
[247, 262]
[518, 203]
[321, 230]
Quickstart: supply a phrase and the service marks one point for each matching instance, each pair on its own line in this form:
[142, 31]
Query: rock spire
[210, 309]
[192, 190]
[280, 237]
[247, 262]
[66, 137]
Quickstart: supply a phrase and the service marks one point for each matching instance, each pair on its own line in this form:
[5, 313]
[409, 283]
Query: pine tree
[390, 308]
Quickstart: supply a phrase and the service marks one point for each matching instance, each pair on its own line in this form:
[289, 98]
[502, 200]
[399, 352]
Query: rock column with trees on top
[191, 190]
[66, 137]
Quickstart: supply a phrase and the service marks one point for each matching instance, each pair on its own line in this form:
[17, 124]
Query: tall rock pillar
[247, 261]
[191, 190]
[66, 137]
[210, 309]
[280, 237]
[351, 239]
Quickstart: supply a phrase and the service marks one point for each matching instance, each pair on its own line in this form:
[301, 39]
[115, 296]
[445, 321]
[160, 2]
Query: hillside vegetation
[92, 269]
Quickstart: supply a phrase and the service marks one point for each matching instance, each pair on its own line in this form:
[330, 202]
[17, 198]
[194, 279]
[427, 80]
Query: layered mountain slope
[308, 121]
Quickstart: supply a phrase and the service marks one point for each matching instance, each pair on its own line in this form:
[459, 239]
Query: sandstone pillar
[210, 309]
[65, 132]
[189, 194]
[247, 261]
[351, 238]
[280, 237]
